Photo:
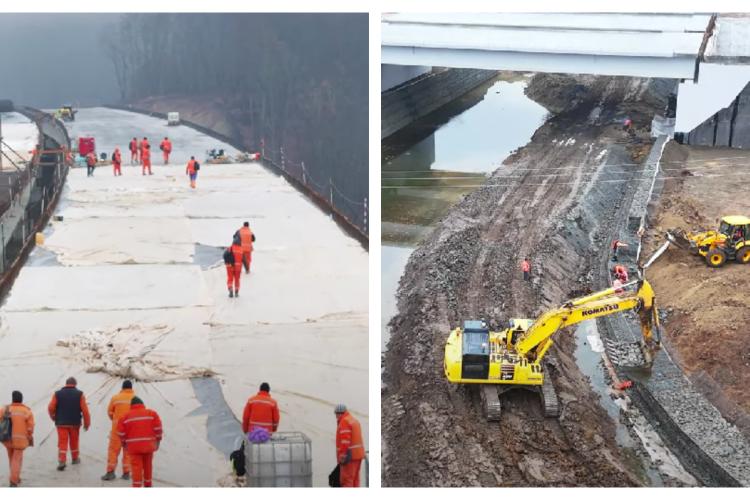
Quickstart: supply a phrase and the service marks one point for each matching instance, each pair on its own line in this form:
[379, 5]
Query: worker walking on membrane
[119, 406]
[247, 238]
[166, 148]
[90, 163]
[67, 408]
[141, 433]
[117, 162]
[134, 147]
[233, 264]
[350, 450]
[17, 423]
[146, 159]
[261, 411]
[192, 170]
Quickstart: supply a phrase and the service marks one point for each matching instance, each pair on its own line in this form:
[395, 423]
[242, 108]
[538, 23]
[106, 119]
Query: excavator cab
[475, 362]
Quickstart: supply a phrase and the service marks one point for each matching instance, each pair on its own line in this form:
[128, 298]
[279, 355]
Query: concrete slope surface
[131, 283]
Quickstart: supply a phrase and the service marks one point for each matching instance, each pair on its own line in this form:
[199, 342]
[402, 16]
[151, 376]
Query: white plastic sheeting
[126, 261]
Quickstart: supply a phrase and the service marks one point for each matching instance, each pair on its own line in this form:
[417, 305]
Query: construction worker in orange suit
[526, 268]
[22, 435]
[350, 451]
[261, 410]
[621, 273]
[143, 145]
[247, 238]
[192, 170]
[134, 147]
[146, 160]
[140, 432]
[90, 163]
[67, 408]
[166, 148]
[119, 405]
[233, 264]
[117, 161]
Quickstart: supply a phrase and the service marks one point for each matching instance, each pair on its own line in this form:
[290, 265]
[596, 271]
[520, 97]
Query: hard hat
[340, 408]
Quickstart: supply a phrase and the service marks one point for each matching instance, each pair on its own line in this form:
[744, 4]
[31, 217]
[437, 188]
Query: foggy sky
[47, 60]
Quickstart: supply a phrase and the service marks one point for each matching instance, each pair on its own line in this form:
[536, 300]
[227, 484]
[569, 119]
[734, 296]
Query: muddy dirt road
[707, 307]
[469, 267]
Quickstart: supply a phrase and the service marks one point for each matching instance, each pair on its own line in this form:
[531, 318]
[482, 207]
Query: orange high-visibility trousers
[116, 166]
[247, 259]
[166, 157]
[146, 165]
[15, 461]
[142, 466]
[349, 474]
[233, 275]
[66, 434]
[115, 445]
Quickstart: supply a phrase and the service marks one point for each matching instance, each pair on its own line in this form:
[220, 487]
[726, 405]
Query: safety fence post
[364, 220]
[304, 177]
[330, 187]
[281, 150]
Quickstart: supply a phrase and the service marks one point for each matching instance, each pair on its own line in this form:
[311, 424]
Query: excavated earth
[556, 201]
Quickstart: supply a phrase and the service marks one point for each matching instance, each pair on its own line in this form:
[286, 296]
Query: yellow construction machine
[730, 241]
[512, 358]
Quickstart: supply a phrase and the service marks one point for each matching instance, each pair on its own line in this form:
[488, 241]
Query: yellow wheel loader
[730, 242]
[512, 358]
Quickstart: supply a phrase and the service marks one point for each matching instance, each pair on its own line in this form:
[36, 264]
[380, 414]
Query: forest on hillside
[297, 81]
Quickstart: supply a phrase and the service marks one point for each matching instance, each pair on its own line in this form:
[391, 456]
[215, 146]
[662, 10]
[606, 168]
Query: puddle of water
[222, 428]
[40, 257]
[207, 256]
[393, 261]
[589, 359]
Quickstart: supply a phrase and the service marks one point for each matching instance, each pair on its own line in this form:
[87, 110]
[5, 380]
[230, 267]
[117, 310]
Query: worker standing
[90, 163]
[350, 450]
[166, 148]
[621, 273]
[192, 170]
[526, 268]
[117, 161]
[143, 145]
[22, 435]
[261, 410]
[67, 408]
[141, 433]
[134, 147]
[616, 245]
[119, 405]
[247, 238]
[146, 160]
[233, 264]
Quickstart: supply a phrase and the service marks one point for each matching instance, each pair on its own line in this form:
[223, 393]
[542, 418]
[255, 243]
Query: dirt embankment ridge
[468, 267]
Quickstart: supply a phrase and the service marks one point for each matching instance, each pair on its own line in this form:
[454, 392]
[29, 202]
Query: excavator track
[491, 406]
[550, 404]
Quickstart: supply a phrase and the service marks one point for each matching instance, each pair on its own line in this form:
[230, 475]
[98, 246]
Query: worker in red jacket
[526, 268]
[146, 160]
[261, 410]
[134, 147]
[247, 238]
[192, 170]
[143, 145]
[90, 163]
[67, 408]
[350, 450]
[233, 264]
[117, 161]
[140, 432]
[166, 148]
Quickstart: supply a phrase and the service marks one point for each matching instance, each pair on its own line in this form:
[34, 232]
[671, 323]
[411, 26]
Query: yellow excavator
[512, 358]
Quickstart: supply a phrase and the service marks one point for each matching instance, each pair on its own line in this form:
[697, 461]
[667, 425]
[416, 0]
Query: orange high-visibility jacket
[261, 410]
[90, 159]
[52, 410]
[143, 145]
[119, 405]
[246, 237]
[190, 169]
[116, 156]
[166, 146]
[525, 266]
[146, 154]
[237, 252]
[134, 146]
[349, 437]
[140, 429]
[22, 421]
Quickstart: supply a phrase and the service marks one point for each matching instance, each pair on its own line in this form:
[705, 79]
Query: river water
[424, 166]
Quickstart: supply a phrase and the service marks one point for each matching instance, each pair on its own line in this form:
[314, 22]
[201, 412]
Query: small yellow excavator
[730, 242]
[512, 358]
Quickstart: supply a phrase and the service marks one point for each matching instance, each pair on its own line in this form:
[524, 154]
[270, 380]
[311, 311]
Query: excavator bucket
[679, 238]
[629, 354]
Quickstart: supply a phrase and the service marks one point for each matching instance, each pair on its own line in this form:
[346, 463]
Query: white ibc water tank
[173, 118]
[283, 461]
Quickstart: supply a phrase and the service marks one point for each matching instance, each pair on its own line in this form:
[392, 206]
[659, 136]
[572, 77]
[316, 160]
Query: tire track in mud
[470, 267]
